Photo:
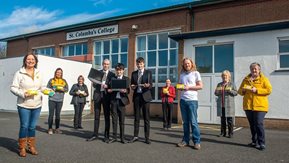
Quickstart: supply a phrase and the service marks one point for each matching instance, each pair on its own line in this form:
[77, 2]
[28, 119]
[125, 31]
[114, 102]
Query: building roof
[189, 5]
[233, 30]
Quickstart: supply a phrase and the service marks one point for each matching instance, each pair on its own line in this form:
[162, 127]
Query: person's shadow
[10, 144]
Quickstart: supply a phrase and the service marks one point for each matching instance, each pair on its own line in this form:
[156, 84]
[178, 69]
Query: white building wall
[259, 47]
[47, 66]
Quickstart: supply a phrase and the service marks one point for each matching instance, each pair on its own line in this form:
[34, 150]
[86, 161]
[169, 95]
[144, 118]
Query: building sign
[100, 31]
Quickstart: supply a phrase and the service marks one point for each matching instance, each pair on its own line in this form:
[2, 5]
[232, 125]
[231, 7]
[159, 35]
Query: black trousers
[226, 121]
[54, 107]
[78, 109]
[105, 102]
[256, 119]
[167, 114]
[117, 113]
[139, 104]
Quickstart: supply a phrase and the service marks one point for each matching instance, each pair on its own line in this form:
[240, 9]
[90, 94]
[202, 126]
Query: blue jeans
[28, 120]
[190, 119]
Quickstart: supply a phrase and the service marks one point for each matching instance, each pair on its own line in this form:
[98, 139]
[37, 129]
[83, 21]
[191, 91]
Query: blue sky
[26, 16]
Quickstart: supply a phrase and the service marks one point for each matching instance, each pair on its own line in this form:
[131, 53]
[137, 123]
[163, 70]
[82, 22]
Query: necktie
[104, 76]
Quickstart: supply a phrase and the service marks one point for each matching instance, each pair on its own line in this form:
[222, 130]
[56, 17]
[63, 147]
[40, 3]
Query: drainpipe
[192, 17]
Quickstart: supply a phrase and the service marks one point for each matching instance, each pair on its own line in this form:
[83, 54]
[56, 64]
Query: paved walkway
[72, 147]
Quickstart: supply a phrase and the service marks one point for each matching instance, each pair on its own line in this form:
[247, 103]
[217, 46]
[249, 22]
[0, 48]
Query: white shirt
[190, 79]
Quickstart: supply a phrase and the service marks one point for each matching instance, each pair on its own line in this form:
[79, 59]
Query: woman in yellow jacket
[256, 88]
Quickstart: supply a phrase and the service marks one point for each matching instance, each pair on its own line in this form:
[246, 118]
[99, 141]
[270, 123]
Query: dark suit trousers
[167, 114]
[139, 104]
[105, 102]
[117, 113]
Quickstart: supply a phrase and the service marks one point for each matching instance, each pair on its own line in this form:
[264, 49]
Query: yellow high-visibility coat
[256, 101]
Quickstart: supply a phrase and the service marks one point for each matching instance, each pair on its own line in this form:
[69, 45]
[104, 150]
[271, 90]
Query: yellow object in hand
[32, 92]
[180, 86]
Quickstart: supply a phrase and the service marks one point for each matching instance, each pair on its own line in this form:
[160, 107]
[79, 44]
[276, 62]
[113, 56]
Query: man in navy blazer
[141, 83]
[102, 97]
[119, 99]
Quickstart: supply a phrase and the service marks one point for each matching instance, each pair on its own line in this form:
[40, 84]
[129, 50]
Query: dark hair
[140, 59]
[56, 71]
[80, 76]
[25, 57]
[119, 66]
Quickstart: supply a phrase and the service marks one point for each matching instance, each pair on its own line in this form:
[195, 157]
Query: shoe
[261, 147]
[182, 144]
[123, 141]
[169, 128]
[92, 138]
[111, 141]
[252, 144]
[147, 141]
[50, 131]
[58, 131]
[230, 136]
[197, 146]
[75, 127]
[80, 127]
[134, 139]
[106, 140]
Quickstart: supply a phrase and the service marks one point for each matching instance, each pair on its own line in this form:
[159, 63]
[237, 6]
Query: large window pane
[162, 76]
[159, 93]
[152, 58]
[123, 59]
[284, 61]
[97, 47]
[283, 46]
[106, 47]
[173, 43]
[114, 60]
[78, 48]
[224, 58]
[97, 60]
[71, 50]
[115, 46]
[203, 58]
[84, 49]
[141, 54]
[173, 57]
[152, 42]
[173, 75]
[163, 58]
[105, 57]
[153, 74]
[141, 43]
[124, 44]
[163, 41]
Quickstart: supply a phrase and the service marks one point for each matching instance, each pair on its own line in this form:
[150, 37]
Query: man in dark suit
[119, 99]
[102, 97]
[141, 83]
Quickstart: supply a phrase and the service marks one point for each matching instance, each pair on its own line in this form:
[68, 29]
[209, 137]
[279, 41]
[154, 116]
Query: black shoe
[75, 127]
[147, 141]
[111, 141]
[92, 138]
[134, 139]
[261, 147]
[80, 127]
[252, 144]
[230, 135]
[123, 141]
[106, 140]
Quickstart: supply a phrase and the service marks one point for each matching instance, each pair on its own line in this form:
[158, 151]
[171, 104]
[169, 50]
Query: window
[284, 54]
[48, 51]
[115, 50]
[75, 49]
[161, 57]
[214, 58]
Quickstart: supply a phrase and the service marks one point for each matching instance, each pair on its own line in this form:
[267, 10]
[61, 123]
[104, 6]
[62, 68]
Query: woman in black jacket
[79, 92]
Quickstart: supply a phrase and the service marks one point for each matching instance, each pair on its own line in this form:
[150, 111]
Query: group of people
[255, 88]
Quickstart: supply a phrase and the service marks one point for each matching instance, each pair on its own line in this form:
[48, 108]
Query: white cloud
[101, 2]
[32, 19]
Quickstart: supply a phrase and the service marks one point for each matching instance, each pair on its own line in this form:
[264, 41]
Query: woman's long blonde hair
[194, 67]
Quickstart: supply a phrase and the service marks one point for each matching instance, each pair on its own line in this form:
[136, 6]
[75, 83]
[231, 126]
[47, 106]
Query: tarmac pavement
[71, 145]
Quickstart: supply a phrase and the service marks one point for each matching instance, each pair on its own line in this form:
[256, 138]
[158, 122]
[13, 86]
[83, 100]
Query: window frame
[64, 51]
[281, 54]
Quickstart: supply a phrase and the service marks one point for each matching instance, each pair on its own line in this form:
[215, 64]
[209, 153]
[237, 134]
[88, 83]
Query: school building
[216, 34]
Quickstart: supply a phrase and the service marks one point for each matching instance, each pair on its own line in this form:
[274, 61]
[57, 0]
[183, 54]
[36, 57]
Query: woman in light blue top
[191, 80]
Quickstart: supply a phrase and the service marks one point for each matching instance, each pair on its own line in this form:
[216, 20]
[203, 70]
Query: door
[211, 61]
